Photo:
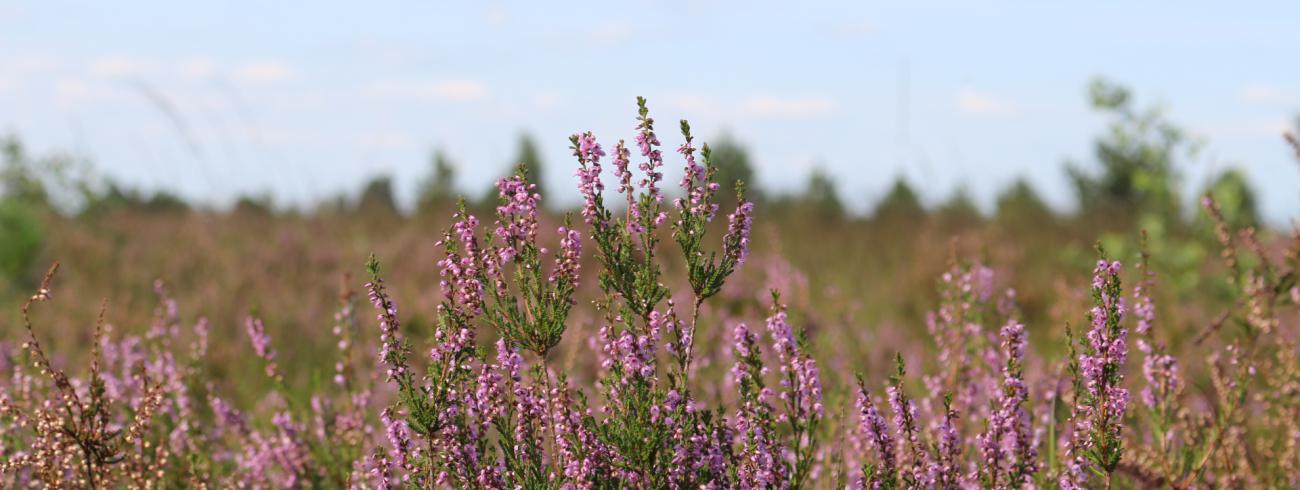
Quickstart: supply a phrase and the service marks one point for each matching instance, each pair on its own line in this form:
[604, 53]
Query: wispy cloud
[973, 102]
[459, 90]
[263, 72]
[1269, 128]
[451, 90]
[28, 64]
[697, 105]
[1266, 94]
[854, 28]
[496, 15]
[611, 34]
[74, 92]
[385, 140]
[788, 107]
[116, 67]
[196, 69]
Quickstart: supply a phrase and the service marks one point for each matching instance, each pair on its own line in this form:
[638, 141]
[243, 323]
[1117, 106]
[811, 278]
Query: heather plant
[1100, 402]
[77, 434]
[517, 422]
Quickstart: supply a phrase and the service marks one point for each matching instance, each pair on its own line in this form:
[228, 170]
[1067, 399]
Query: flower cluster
[1098, 418]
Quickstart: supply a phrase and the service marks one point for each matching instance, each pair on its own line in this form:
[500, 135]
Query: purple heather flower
[391, 352]
[942, 471]
[459, 269]
[799, 371]
[447, 344]
[875, 431]
[1016, 394]
[630, 353]
[694, 173]
[652, 168]
[227, 418]
[1098, 419]
[486, 400]
[623, 158]
[648, 143]
[589, 183]
[166, 323]
[261, 343]
[699, 190]
[381, 470]
[1143, 308]
[569, 260]
[1006, 446]
[399, 437]
[1159, 368]
[1161, 373]
[743, 346]
[342, 324]
[289, 451]
[905, 427]
[517, 224]
[581, 454]
[761, 457]
[739, 225]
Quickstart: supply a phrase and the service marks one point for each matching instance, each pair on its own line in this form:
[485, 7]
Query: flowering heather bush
[682, 393]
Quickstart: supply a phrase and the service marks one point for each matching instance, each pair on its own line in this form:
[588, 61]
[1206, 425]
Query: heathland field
[679, 332]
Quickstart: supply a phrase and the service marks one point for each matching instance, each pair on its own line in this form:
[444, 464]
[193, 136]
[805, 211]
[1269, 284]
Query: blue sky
[308, 99]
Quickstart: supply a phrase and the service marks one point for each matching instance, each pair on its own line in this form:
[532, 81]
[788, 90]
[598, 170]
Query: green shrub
[20, 239]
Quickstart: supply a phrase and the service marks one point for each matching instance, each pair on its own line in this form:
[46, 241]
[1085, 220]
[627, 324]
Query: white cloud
[385, 140]
[691, 102]
[977, 103]
[788, 107]
[263, 72]
[697, 106]
[458, 90]
[497, 16]
[453, 90]
[116, 67]
[1265, 94]
[611, 34]
[71, 92]
[855, 28]
[32, 64]
[1249, 128]
[196, 69]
